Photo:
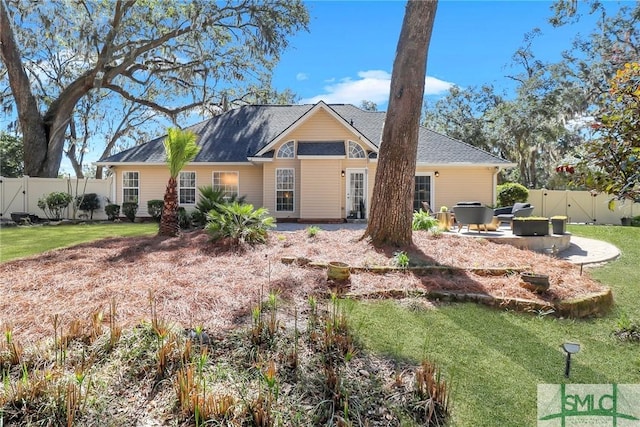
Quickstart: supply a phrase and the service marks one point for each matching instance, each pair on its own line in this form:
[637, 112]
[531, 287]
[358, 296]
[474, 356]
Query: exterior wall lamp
[437, 174]
[342, 174]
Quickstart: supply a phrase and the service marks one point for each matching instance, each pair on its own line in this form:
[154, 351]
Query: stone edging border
[594, 304]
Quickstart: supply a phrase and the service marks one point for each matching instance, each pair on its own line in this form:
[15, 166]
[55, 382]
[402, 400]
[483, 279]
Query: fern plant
[239, 222]
[423, 221]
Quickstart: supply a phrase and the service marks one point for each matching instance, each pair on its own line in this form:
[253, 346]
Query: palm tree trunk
[169, 221]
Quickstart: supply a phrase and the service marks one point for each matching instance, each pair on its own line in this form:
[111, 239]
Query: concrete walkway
[582, 251]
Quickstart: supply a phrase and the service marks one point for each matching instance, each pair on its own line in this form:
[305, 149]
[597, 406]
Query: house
[303, 162]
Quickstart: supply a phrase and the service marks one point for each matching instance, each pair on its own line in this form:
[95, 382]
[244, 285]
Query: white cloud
[302, 76]
[371, 85]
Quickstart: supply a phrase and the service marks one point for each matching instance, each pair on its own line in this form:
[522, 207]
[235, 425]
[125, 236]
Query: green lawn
[18, 242]
[495, 359]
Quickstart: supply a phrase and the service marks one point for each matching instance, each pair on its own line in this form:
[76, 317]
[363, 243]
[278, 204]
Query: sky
[347, 55]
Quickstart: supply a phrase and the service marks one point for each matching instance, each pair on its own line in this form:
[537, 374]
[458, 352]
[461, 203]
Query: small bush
[113, 211]
[130, 209]
[184, 219]
[635, 221]
[155, 209]
[512, 192]
[54, 204]
[313, 230]
[88, 202]
[239, 222]
[401, 259]
[423, 221]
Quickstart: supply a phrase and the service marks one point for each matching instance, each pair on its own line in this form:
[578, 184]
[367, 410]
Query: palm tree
[180, 148]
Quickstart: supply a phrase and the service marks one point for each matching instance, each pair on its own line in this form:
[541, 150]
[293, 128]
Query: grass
[19, 242]
[496, 359]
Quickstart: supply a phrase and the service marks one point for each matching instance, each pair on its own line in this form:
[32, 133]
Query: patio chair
[427, 208]
[507, 213]
[472, 213]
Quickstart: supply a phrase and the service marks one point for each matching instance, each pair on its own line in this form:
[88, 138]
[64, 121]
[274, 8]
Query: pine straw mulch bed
[195, 281]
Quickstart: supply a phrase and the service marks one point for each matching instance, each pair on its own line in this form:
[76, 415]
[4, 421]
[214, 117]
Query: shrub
[313, 230]
[512, 192]
[184, 219]
[113, 211]
[88, 202]
[154, 207]
[130, 209]
[423, 221]
[239, 222]
[54, 204]
[211, 199]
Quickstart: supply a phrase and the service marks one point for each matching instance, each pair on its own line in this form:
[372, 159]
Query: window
[284, 190]
[422, 191]
[227, 182]
[187, 188]
[356, 151]
[130, 187]
[287, 151]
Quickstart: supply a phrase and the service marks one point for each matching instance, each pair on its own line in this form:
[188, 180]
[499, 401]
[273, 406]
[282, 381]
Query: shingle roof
[240, 133]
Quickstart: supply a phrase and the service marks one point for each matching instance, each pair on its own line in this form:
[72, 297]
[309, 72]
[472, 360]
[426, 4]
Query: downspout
[494, 191]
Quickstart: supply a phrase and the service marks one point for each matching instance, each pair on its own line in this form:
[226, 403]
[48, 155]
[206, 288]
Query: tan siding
[153, 182]
[320, 186]
[462, 184]
[269, 193]
[321, 126]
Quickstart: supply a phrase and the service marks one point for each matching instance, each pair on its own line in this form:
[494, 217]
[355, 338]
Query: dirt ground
[197, 282]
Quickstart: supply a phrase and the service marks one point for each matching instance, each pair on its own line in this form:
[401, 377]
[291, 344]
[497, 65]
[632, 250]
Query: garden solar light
[569, 348]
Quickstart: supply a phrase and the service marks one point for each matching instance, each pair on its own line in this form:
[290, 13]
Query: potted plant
[559, 224]
[531, 226]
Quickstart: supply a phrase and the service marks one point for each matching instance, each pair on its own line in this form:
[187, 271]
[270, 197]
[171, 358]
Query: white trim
[321, 157]
[122, 187]
[293, 190]
[365, 190]
[195, 187]
[221, 171]
[260, 159]
[432, 181]
[276, 154]
[348, 152]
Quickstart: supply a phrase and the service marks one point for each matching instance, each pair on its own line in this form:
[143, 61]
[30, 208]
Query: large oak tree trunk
[34, 132]
[392, 202]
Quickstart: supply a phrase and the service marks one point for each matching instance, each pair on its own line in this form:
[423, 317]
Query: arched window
[356, 151]
[287, 151]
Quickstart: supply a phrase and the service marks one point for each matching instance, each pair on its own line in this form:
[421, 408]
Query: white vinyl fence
[580, 206]
[22, 194]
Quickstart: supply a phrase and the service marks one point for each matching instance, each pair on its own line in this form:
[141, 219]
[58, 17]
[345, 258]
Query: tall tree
[611, 161]
[180, 148]
[11, 164]
[392, 202]
[167, 56]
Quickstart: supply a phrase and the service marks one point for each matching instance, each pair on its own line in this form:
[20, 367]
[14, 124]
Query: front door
[356, 193]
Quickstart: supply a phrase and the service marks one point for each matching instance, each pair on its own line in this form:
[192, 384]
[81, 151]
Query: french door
[356, 193]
